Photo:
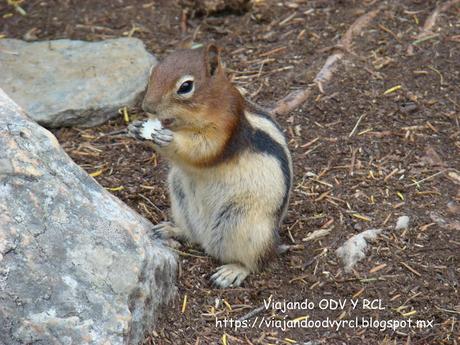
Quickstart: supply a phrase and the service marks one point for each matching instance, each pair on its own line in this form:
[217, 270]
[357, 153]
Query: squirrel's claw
[162, 137]
[162, 231]
[135, 128]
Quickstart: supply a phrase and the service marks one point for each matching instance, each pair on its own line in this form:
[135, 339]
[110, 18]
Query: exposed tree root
[296, 98]
[430, 22]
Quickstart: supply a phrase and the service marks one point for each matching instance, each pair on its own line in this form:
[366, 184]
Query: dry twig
[296, 98]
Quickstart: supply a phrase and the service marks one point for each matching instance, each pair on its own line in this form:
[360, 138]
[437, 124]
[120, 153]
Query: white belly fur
[255, 184]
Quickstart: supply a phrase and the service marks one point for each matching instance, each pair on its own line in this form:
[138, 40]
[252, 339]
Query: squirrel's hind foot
[230, 275]
[166, 230]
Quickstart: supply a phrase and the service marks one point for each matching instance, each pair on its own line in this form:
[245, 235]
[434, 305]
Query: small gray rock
[77, 266]
[402, 223]
[354, 249]
[66, 83]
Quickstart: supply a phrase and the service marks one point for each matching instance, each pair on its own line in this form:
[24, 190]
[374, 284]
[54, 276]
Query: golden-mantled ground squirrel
[231, 170]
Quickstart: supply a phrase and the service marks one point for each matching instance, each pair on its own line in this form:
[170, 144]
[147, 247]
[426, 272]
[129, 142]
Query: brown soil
[345, 180]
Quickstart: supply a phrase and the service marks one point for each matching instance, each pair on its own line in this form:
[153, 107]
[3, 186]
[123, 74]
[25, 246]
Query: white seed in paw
[149, 127]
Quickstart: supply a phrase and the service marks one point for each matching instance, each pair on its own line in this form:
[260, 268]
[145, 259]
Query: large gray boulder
[77, 265]
[65, 83]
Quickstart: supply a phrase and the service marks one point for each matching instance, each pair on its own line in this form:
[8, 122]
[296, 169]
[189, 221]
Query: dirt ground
[382, 141]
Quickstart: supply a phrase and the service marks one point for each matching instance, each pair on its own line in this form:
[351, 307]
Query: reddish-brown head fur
[213, 100]
[212, 107]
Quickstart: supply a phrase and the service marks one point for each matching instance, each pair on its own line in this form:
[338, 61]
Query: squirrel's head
[189, 90]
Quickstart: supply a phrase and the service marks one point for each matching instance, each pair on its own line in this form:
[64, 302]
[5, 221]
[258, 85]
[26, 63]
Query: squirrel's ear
[212, 59]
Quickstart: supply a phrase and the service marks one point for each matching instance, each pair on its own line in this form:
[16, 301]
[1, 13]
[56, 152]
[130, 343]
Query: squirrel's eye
[185, 87]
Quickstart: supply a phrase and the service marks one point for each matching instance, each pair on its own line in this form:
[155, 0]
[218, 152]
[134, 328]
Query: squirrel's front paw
[162, 137]
[151, 130]
[136, 130]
